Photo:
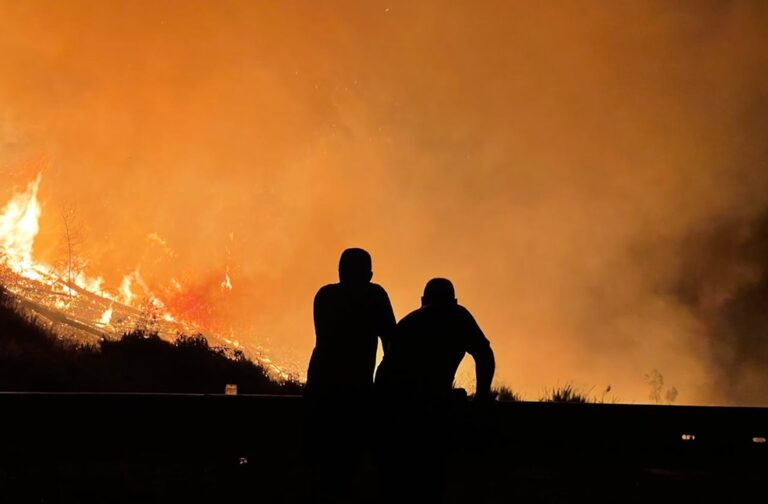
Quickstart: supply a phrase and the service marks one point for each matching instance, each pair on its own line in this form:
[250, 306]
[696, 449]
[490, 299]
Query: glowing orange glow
[559, 161]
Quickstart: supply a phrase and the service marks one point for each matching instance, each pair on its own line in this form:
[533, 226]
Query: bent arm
[387, 323]
[322, 311]
[485, 366]
[479, 348]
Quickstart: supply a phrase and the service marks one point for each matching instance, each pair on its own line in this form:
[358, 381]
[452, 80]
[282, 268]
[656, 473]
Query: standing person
[414, 382]
[350, 316]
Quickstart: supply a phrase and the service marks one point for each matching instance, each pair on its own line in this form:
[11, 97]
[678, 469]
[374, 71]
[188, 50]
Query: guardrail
[146, 447]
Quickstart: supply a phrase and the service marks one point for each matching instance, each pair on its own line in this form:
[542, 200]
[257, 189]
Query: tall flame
[227, 283]
[126, 294]
[19, 227]
[106, 317]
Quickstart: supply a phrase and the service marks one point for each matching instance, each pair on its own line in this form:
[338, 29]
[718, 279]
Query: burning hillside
[73, 303]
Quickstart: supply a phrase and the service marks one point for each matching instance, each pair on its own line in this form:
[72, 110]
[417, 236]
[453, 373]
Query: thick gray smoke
[724, 280]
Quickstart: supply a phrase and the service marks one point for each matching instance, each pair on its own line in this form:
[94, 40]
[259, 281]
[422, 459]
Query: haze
[591, 175]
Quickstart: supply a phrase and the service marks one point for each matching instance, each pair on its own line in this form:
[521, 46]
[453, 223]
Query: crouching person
[414, 385]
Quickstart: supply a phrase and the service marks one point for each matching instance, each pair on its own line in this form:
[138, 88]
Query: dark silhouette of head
[355, 267]
[438, 292]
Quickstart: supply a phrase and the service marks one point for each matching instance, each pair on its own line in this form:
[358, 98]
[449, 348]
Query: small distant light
[688, 437]
[230, 389]
[759, 440]
[242, 460]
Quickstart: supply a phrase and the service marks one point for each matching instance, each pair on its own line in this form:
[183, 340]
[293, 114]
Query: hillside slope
[34, 359]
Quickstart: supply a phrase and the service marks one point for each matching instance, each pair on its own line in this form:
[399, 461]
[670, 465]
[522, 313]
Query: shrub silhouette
[566, 393]
[504, 393]
[34, 359]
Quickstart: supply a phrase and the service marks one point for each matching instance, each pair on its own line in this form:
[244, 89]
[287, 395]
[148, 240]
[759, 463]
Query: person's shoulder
[463, 312]
[471, 328]
[464, 316]
[326, 290]
[329, 287]
[377, 292]
[412, 317]
[377, 289]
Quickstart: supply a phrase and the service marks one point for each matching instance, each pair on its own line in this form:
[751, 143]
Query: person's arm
[324, 311]
[320, 316]
[479, 348]
[485, 366]
[387, 323]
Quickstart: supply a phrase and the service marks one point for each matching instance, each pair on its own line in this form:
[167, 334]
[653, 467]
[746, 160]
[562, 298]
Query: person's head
[355, 266]
[438, 292]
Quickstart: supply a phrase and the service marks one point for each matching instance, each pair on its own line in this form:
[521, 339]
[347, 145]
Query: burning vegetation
[69, 302]
[32, 358]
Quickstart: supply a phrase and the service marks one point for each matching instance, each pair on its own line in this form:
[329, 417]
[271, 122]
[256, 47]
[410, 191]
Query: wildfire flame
[227, 283]
[83, 304]
[19, 227]
[106, 317]
[126, 294]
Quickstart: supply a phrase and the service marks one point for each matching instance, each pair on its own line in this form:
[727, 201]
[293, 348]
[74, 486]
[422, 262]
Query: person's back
[414, 382]
[427, 349]
[349, 318]
[429, 344]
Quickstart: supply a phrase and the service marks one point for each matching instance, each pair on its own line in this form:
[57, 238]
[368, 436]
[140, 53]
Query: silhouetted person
[350, 317]
[414, 383]
[428, 347]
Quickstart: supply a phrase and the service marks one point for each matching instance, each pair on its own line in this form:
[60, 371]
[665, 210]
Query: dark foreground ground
[79, 448]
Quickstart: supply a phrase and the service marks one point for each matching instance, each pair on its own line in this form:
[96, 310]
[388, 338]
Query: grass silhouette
[505, 393]
[566, 393]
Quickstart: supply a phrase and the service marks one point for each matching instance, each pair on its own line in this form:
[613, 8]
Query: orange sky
[551, 160]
